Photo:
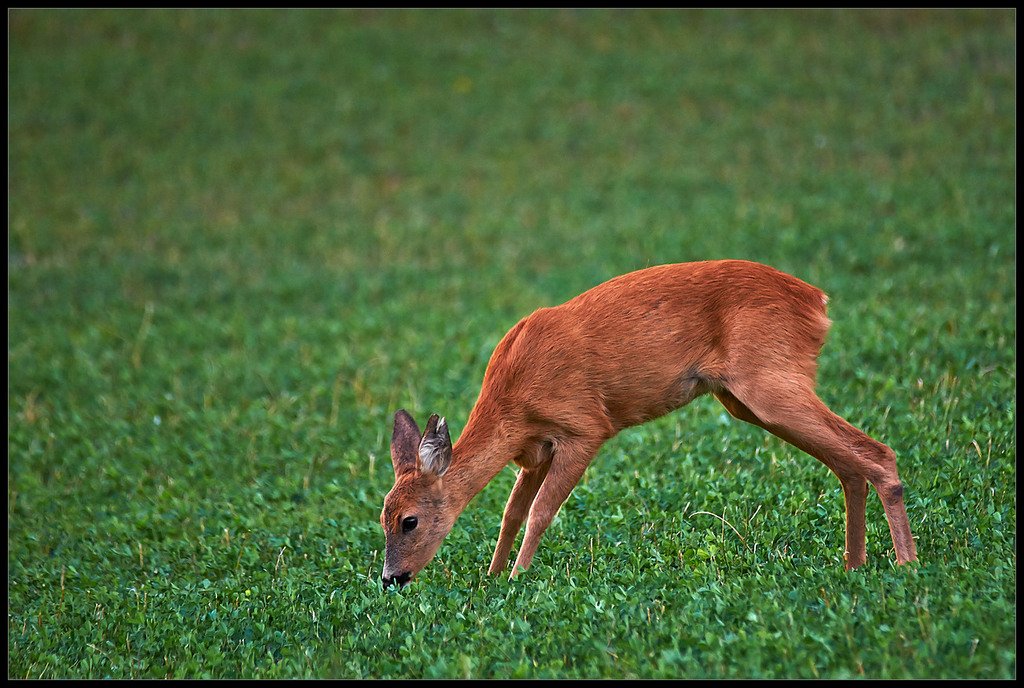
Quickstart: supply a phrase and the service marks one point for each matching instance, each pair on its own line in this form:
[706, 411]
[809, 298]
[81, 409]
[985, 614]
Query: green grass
[239, 241]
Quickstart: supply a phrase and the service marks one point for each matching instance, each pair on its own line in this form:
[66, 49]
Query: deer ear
[404, 443]
[436, 447]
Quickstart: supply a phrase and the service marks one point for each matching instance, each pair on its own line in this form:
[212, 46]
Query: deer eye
[408, 523]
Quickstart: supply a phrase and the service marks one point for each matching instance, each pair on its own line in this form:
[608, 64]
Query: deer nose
[401, 579]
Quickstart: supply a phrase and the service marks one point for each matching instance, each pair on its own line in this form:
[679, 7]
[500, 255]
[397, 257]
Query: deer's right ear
[405, 443]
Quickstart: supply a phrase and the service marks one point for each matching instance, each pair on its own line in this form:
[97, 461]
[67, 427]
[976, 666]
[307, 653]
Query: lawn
[239, 241]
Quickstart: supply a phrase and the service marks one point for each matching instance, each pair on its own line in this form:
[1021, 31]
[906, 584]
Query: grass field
[239, 241]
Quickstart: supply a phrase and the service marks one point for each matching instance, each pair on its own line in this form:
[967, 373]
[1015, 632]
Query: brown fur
[565, 379]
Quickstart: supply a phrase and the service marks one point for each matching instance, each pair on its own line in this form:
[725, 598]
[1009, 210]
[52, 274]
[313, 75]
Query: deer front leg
[527, 483]
[566, 469]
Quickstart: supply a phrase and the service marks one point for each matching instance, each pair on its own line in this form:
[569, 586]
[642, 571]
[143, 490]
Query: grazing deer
[566, 379]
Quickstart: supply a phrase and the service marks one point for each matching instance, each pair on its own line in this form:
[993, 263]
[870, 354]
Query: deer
[565, 379]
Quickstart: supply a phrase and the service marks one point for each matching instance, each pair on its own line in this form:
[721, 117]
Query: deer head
[416, 516]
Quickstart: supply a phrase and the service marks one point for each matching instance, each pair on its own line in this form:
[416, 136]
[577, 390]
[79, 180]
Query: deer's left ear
[404, 441]
[436, 447]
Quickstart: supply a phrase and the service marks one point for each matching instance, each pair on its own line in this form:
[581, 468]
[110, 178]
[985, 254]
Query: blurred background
[238, 241]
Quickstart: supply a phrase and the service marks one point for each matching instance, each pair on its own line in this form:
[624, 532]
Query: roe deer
[566, 379]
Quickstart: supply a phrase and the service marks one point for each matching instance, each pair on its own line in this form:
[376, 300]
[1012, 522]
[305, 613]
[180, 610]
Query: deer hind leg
[854, 486]
[792, 411]
[523, 492]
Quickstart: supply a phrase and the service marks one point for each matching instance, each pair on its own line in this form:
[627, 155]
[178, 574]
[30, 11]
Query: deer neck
[484, 448]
